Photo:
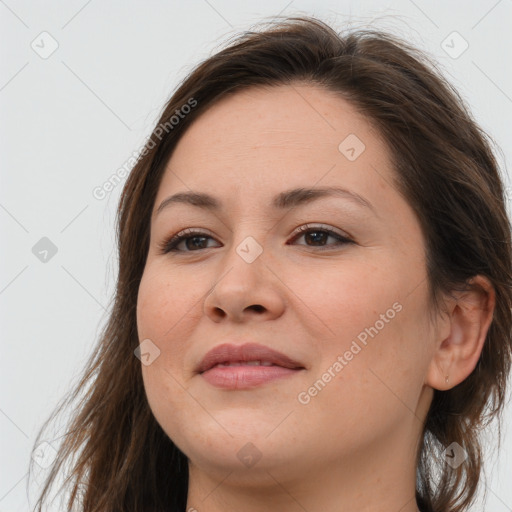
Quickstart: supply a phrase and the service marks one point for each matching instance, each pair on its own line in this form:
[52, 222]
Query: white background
[69, 121]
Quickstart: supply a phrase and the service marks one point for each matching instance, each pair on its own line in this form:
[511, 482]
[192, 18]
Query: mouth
[245, 366]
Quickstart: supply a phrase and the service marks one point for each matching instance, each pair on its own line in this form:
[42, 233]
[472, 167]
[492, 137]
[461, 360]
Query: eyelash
[170, 244]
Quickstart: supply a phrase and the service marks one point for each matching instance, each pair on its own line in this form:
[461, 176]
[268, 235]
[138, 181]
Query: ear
[461, 334]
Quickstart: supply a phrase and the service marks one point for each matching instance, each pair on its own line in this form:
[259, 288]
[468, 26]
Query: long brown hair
[120, 458]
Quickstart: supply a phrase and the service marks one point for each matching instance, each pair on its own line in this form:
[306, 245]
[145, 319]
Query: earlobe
[460, 342]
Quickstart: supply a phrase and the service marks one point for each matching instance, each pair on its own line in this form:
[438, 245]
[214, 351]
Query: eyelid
[321, 227]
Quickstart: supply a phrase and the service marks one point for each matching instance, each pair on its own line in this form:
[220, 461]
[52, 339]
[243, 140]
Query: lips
[246, 366]
[235, 355]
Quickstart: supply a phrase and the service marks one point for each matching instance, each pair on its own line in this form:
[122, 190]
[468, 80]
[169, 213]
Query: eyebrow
[286, 199]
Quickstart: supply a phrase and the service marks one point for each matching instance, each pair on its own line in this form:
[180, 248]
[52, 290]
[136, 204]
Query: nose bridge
[249, 238]
[251, 228]
[242, 264]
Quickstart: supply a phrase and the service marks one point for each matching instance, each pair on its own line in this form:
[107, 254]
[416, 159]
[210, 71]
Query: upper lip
[228, 353]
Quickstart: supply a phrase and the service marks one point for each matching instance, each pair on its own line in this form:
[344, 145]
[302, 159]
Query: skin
[361, 431]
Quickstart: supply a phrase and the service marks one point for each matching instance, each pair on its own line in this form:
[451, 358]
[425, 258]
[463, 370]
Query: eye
[319, 234]
[197, 239]
[194, 240]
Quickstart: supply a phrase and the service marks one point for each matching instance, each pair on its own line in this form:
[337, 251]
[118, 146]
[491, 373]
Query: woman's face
[349, 308]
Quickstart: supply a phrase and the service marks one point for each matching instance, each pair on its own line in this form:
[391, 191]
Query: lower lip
[244, 377]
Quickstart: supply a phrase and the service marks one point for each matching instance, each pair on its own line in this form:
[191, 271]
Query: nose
[244, 290]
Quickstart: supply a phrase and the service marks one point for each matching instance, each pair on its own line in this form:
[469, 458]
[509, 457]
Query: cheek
[378, 376]
[373, 323]
[165, 315]
[166, 302]
[347, 298]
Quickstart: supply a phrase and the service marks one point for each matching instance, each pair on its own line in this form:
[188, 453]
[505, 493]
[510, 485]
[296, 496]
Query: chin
[249, 451]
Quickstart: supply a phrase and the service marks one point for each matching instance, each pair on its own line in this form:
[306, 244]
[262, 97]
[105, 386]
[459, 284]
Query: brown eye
[318, 236]
[192, 240]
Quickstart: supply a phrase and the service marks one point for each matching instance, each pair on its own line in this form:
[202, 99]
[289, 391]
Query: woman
[313, 309]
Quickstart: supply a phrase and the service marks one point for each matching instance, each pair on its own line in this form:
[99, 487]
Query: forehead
[268, 139]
